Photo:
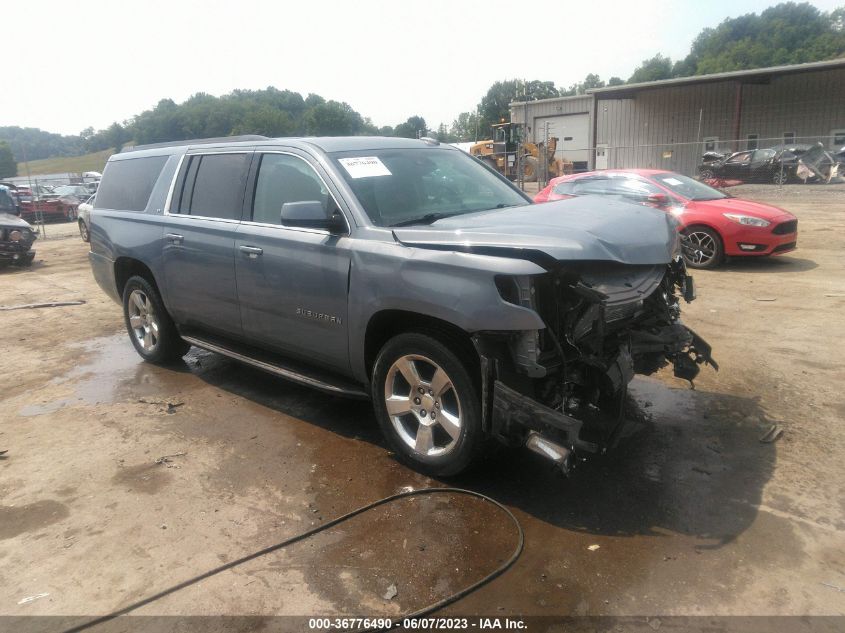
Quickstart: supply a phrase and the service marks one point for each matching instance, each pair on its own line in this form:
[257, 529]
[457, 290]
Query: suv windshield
[688, 188]
[419, 186]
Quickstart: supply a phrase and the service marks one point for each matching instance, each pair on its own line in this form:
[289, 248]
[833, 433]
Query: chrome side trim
[169, 199]
[274, 369]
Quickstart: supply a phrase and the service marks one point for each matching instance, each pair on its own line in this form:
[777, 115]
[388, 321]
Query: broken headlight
[516, 289]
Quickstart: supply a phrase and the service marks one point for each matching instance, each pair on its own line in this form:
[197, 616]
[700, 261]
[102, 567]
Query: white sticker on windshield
[672, 181]
[364, 167]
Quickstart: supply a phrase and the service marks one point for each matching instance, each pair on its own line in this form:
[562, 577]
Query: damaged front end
[560, 390]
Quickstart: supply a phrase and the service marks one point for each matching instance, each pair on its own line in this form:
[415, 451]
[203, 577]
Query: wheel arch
[386, 324]
[126, 267]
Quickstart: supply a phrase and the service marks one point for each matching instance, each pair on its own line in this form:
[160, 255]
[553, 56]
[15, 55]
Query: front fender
[458, 288]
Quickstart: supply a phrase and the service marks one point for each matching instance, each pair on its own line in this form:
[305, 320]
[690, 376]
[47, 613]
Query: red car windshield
[687, 187]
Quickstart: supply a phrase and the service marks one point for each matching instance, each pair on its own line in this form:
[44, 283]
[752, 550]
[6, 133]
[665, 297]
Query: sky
[70, 65]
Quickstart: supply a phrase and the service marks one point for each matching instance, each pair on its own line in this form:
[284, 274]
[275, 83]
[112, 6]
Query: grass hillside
[63, 164]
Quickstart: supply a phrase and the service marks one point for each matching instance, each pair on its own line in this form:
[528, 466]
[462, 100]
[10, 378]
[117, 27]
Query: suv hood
[586, 228]
[9, 221]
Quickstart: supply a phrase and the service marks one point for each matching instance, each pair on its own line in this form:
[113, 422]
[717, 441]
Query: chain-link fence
[774, 160]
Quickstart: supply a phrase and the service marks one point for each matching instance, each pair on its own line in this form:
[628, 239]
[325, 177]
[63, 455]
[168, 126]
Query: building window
[788, 137]
[751, 141]
[837, 139]
[710, 143]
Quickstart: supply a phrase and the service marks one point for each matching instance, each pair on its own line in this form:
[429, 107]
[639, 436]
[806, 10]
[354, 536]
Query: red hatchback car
[716, 224]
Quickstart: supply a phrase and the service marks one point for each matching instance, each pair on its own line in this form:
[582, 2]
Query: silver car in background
[84, 218]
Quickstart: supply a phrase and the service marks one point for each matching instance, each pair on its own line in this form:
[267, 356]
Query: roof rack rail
[197, 141]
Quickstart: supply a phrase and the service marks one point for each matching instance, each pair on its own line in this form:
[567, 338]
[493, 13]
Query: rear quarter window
[127, 184]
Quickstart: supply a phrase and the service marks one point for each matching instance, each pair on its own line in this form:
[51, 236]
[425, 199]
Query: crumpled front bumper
[517, 419]
[16, 252]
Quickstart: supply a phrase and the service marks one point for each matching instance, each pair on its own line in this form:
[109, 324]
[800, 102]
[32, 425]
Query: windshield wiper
[428, 218]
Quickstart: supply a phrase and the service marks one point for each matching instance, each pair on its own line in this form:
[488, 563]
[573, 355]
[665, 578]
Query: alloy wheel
[143, 320]
[423, 405]
[701, 247]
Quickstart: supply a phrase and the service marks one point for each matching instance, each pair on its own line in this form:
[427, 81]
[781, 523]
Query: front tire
[150, 327]
[83, 231]
[703, 248]
[427, 405]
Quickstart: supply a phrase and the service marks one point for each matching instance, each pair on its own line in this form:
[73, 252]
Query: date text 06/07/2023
[417, 624]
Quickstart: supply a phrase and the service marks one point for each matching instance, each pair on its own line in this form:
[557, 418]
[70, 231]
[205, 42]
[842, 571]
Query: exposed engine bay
[561, 390]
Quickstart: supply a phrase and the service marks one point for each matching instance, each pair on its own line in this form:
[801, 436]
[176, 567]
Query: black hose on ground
[431, 608]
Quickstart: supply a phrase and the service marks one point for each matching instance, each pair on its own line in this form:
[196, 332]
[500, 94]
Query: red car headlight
[747, 220]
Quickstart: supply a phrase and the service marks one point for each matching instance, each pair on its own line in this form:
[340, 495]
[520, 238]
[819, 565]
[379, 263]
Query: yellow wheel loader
[505, 152]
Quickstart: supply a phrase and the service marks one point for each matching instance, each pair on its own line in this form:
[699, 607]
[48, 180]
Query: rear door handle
[174, 238]
[251, 251]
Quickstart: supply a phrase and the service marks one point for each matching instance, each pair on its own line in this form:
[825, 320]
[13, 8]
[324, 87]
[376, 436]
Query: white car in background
[84, 218]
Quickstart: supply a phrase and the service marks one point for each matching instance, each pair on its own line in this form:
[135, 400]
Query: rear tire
[704, 248]
[432, 418]
[150, 328]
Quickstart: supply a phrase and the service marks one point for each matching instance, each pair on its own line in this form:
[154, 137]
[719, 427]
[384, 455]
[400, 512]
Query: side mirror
[311, 214]
[657, 199]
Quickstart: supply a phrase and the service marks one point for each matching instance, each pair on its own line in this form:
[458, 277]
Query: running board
[323, 382]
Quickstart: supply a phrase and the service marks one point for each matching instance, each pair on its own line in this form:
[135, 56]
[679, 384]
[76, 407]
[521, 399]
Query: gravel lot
[692, 514]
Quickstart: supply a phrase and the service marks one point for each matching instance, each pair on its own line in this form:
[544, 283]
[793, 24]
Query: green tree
[658, 67]
[592, 81]
[414, 127]
[333, 119]
[495, 105]
[8, 165]
[444, 134]
[467, 127]
[41, 144]
[615, 81]
[788, 33]
[117, 135]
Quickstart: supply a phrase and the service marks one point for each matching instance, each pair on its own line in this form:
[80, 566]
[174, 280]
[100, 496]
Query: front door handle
[251, 251]
[174, 238]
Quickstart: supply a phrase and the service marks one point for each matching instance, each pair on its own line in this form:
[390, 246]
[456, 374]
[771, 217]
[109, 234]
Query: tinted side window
[740, 158]
[635, 187]
[127, 184]
[565, 188]
[594, 186]
[283, 178]
[217, 191]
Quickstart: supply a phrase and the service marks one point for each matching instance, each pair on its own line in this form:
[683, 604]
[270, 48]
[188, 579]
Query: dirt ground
[692, 514]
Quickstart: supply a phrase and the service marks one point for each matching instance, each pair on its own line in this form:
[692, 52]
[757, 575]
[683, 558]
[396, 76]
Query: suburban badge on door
[318, 316]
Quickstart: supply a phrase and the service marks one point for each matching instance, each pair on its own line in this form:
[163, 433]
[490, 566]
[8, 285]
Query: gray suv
[399, 270]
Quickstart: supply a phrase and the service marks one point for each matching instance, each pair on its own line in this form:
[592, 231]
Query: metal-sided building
[669, 124]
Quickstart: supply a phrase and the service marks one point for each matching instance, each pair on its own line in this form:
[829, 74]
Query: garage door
[572, 132]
